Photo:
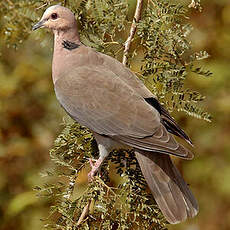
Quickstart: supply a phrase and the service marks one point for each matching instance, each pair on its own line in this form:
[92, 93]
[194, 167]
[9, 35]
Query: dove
[103, 95]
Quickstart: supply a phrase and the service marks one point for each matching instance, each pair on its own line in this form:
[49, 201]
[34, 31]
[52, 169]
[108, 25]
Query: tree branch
[133, 28]
[84, 213]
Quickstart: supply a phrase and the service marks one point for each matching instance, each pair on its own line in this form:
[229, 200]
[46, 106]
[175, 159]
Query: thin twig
[152, 2]
[84, 213]
[108, 187]
[11, 3]
[133, 28]
[65, 2]
[38, 8]
[192, 4]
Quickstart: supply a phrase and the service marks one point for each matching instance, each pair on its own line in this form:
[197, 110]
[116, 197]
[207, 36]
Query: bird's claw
[91, 163]
[94, 168]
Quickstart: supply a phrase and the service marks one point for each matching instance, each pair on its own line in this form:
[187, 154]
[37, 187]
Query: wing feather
[97, 98]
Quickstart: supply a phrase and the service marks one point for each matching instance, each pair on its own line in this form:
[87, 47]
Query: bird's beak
[38, 25]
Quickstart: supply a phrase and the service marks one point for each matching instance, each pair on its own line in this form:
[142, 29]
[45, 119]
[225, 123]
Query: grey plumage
[167, 186]
[100, 93]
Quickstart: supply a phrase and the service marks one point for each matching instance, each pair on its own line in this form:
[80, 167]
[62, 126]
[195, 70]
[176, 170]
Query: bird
[102, 94]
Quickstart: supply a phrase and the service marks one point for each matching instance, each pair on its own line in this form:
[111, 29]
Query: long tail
[168, 188]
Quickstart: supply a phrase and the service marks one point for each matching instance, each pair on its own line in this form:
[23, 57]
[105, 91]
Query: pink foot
[94, 168]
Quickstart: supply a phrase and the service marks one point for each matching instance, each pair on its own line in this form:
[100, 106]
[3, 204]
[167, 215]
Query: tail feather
[169, 189]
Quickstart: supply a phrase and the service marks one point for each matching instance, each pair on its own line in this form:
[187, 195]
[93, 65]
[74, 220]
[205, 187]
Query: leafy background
[30, 118]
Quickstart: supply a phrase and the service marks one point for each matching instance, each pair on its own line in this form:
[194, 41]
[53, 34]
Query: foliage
[167, 57]
[16, 20]
[162, 37]
[125, 206]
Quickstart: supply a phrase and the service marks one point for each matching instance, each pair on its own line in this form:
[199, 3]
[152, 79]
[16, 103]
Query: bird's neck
[71, 35]
[65, 42]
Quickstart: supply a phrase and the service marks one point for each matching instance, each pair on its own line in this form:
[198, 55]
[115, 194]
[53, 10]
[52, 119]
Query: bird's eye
[54, 16]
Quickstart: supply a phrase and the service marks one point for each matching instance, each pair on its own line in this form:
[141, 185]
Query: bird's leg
[94, 167]
[105, 145]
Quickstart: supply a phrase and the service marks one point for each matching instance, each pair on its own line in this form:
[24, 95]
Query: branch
[84, 213]
[136, 19]
[38, 8]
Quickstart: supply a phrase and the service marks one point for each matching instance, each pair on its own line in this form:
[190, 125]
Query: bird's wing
[168, 122]
[126, 75]
[133, 81]
[98, 99]
[161, 141]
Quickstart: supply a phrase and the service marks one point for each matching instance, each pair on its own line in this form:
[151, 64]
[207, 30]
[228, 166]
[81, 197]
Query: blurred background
[30, 119]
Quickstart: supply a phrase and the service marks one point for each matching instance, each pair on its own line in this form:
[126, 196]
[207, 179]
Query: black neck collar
[69, 45]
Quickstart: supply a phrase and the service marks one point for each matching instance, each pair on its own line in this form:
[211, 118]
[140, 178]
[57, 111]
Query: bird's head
[57, 18]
